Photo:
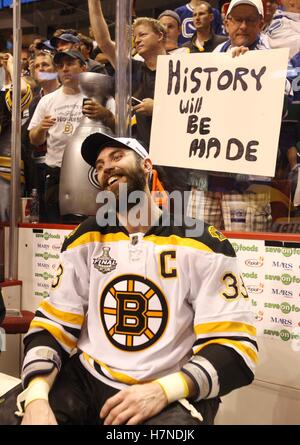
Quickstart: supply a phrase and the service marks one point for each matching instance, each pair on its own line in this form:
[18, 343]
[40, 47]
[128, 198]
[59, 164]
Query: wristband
[174, 386]
[38, 389]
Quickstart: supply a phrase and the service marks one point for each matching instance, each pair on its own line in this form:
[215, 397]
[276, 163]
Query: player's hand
[239, 50]
[145, 107]
[47, 122]
[38, 412]
[134, 404]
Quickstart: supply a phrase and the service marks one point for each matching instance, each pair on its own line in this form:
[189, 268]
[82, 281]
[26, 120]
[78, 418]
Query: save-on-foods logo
[285, 307]
[284, 334]
[255, 262]
[47, 236]
[44, 275]
[249, 275]
[279, 320]
[47, 255]
[282, 292]
[255, 288]
[42, 294]
[285, 251]
[284, 278]
[241, 248]
[282, 265]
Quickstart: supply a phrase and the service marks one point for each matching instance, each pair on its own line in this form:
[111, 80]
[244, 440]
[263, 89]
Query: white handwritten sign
[219, 113]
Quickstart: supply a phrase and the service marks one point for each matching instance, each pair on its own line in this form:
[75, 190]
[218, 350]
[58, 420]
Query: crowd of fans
[52, 102]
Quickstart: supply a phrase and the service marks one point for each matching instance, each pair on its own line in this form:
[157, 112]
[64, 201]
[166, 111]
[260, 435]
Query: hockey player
[159, 318]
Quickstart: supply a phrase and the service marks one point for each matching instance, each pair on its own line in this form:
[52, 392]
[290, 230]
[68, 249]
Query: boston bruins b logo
[134, 312]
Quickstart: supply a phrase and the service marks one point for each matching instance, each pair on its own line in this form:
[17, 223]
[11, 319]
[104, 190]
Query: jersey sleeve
[225, 349]
[62, 314]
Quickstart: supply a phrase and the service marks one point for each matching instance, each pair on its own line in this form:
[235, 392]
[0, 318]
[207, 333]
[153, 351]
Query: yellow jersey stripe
[118, 376]
[245, 350]
[224, 326]
[97, 237]
[68, 317]
[175, 240]
[60, 336]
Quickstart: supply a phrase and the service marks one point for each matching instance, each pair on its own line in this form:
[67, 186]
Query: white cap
[95, 142]
[256, 3]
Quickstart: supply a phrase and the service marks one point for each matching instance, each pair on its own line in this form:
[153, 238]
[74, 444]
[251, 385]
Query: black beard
[136, 181]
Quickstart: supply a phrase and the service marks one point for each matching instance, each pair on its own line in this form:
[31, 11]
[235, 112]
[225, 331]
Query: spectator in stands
[25, 62]
[6, 61]
[78, 42]
[284, 30]
[86, 49]
[171, 21]
[204, 39]
[65, 41]
[149, 39]
[57, 116]
[45, 74]
[243, 23]
[185, 13]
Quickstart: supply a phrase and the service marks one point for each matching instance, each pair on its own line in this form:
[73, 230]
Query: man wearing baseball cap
[243, 23]
[65, 41]
[57, 116]
[171, 22]
[141, 298]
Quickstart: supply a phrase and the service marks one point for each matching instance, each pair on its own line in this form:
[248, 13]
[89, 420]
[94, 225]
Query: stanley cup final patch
[105, 263]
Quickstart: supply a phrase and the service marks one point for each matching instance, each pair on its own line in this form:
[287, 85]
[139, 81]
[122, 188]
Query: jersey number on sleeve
[234, 286]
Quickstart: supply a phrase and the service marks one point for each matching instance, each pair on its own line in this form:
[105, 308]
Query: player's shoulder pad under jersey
[185, 227]
[218, 242]
[208, 235]
[90, 225]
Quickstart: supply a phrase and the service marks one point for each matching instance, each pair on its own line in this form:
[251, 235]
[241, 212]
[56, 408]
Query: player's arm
[51, 338]
[101, 31]
[225, 351]
[42, 362]
[36, 403]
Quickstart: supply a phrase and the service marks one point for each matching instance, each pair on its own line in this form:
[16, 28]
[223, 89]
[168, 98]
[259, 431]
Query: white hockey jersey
[139, 306]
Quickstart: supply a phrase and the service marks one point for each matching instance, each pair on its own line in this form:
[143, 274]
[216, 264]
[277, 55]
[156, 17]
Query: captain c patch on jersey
[105, 263]
[134, 312]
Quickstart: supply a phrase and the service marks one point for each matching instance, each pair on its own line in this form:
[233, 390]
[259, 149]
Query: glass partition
[232, 202]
